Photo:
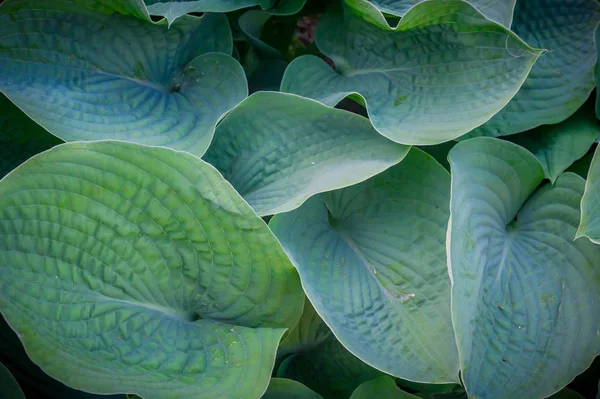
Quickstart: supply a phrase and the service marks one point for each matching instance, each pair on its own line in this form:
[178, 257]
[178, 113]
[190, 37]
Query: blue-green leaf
[126, 268]
[279, 149]
[283, 388]
[309, 333]
[445, 70]
[9, 387]
[525, 295]
[372, 260]
[590, 204]
[373, 11]
[563, 78]
[86, 75]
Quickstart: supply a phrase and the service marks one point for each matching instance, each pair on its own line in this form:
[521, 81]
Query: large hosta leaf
[373, 11]
[279, 149]
[525, 295]
[20, 137]
[9, 387]
[372, 261]
[590, 204]
[558, 146]
[444, 71]
[563, 78]
[126, 268]
[173, 9]
[282, 388]
[309, 333]
[85, 75]
[381, 387]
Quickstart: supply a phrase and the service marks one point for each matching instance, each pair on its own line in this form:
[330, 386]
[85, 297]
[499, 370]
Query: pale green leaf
[590, 204]
[9, 387]
[20, 137]
[445, 70]
[283, 388]
[525, 295]
[381, 387]
[86, 75]
[126, 268]
[563, 78]
[373, 11]
[372, 260]
[328, 369]
[174, 9]
[279, 149]
[558, 146]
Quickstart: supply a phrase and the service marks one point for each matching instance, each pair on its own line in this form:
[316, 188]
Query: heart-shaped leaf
[126, 268]
[525, 295]
[558, 146]
[374, 11]
[279, 149]
[283, 388]
[445, 70]
[372, 260]
[173, 9]
[86, 75]
[20, 137]
[381, 387]
[563, 78]
[9, 387]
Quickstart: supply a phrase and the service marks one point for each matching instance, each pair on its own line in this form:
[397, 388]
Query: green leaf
[85, 75]
[519, 280]
[282, 388]
[309, 333]
[126, 268]
[279, 149]
[558, 146]
[251, 24]
[590, 211]
[328, 369]
[373, 11]
[20, 137]
[563, 78]
[445, 70]
[267, 76]
[174, 9]
[381, 387]
[582, 166]
[372, 260]
[9, 387]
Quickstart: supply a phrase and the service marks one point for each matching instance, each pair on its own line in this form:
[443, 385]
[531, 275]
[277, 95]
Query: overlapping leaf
[279, 149]
[20, 137]
[173, 9]
[126, 268]
[563, 78]
[374, 11]
[309, 333]
[372, 261]
[590, 204]
[9, 387]
[444, 71]
[381, 387]
[558, 146]
[84, 75]
[283, 388]
[520, 281]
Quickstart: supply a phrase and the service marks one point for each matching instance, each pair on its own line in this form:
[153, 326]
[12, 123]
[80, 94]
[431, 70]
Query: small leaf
[126, 268]
[558, 146]
[372, 260]
[373, 11]
[9, 387]
[445, 70]
[85, 75]
[282, 388]
[279, 149]
[519, 280]
[381, 387]
[563, 78]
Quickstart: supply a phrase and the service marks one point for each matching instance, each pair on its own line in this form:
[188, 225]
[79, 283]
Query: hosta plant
[243, 199]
